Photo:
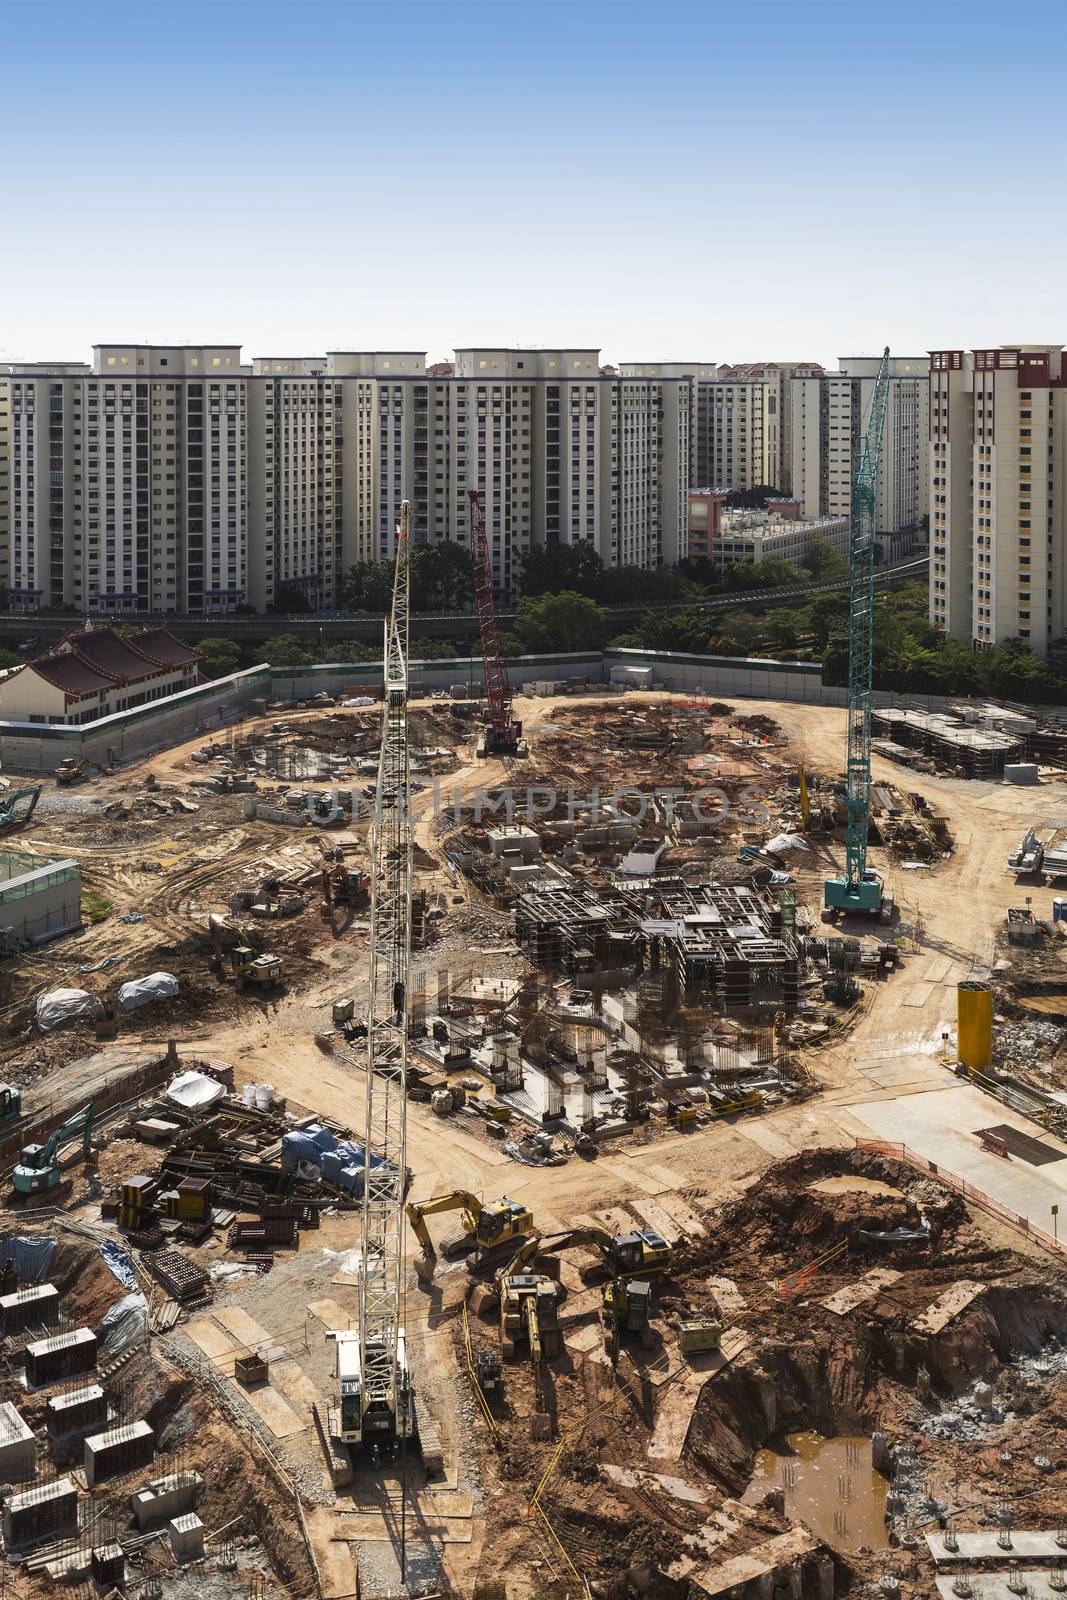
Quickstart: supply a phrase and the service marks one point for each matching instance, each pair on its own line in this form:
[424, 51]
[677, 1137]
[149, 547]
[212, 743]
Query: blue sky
[665, 180]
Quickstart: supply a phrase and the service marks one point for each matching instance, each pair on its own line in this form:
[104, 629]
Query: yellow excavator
[644, 1251]
[488, 1226]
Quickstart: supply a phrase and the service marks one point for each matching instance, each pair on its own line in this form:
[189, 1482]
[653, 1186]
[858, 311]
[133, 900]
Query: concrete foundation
[40, 1515]
[35, 1307]
[165, 1498]
[67, 1355]
[186, 1537]
[79, 1411]
[108, 1455]
[18, 1447]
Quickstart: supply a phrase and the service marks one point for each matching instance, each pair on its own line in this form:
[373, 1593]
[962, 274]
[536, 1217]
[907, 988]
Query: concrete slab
[947, 1307]
[588, 1337]
[631, 1173]
[934, 1125]
[938, 969]
[664, 1175]
[1035, 1544]
[856, 1294]
[919, 995]
[767, 1556]
[616, 1220]
[677, 1488]
[429, 1503]
[994, 1586]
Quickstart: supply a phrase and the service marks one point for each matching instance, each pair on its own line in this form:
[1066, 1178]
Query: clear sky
[663, 179]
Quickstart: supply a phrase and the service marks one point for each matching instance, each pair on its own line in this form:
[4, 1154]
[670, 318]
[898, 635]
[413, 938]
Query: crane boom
[860, 890]
[386, 1407]
[503, 734]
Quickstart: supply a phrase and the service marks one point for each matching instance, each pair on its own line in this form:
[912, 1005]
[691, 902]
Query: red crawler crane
[503, 735]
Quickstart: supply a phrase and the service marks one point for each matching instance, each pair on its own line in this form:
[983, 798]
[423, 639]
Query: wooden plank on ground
[216, 1345]
[919, 995]
[728, 1296]
[683, 1213]
[655, 1217]
[679, 1397]
[617, 1220]
[295, 1385]
[672, 1180]
[279, 1416]
[247, 1331]
[429, 1503]
[332, 1315]
[631, 1173]
[856, 1294]
[336, 1562]
[937, 971]
[947, 1308]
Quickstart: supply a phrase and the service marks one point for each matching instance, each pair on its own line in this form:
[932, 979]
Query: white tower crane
[377, 1401]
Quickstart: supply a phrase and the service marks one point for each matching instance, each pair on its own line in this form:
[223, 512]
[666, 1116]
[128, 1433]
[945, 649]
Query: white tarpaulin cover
[142, 991]
[62, 1005]
[194, 1089]
[782, 843]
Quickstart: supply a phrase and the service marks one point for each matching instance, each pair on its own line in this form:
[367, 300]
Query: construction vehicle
[38, 1169]
[644, 1251]
[628, 1309]
[529, 1309]
[73, 770]
[10, 1103]
[377, 1397]
[503, 734]
[18, 807]
[861, 888]
[488, 1227]
[488, 1371]
[261, 971]
[342, 885]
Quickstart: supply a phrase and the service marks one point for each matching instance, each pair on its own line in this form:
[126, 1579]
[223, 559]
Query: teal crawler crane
[861, 889]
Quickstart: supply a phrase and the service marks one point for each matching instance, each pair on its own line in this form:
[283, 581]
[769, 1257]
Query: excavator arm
[419, 1210]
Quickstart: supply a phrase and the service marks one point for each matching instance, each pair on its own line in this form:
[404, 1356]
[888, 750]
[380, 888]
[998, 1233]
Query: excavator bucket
[424, 1267]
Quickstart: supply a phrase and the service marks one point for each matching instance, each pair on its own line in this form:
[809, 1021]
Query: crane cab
[377, 1421]
[865, 897]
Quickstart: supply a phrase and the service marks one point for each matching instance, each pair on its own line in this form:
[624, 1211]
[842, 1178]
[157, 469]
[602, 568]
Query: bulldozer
[488, 1227]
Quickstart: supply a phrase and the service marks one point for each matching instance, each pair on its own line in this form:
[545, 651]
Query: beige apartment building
[734, 421]
[177, 479]
[998, 443]
[826, 413]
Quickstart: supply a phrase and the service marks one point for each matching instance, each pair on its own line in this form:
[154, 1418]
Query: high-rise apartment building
[826, 413]
[998, 537]
[177, 479]
[734, 422]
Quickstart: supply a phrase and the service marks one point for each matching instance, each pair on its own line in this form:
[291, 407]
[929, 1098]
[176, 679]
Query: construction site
[594, 1143]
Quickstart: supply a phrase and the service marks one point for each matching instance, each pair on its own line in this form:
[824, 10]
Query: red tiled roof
[159, 644]
[71, 674]
[109, 653]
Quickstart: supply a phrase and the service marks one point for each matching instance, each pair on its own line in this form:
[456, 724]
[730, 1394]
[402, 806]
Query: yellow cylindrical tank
[974, 1024]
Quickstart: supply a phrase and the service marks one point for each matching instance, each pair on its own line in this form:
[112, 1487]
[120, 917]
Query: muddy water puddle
[830, 1485]
[848, 1183]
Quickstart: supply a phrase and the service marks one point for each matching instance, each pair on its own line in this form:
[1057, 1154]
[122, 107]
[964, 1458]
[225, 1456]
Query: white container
[250, 1094]
[264, 1096]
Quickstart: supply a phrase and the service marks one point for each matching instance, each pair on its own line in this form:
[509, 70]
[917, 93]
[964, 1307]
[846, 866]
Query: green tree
[368, 586]
[221, 656]
[441, 577]
[823, 561]
[287, 651]
[553, 567]
[566, 621]
[290, 600]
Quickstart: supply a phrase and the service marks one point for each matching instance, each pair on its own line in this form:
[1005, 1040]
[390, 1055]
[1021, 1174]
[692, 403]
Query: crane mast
[861, 889]
[503, 735]
[385, 1411]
